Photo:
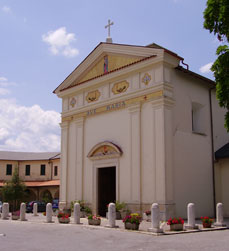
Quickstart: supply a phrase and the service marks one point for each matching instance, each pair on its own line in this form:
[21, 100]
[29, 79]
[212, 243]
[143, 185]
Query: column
[64, 161]
[164, 156]
[79, 123]
[135, 153]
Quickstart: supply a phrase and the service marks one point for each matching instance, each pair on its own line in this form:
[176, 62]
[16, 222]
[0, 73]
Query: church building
[139, 127]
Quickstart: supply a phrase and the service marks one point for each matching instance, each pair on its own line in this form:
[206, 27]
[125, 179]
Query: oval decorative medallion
[72, 102]
[120, 87]
[93, 96]
[146, 78]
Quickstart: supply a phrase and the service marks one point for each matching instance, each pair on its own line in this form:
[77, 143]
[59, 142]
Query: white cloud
[5, 83]
[6, 9]
[4, 91]
[206, 68]
[28, 128]
[60, 42]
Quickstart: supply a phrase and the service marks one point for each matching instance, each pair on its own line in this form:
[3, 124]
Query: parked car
[55, 204]
[41, 206]
[0, 206]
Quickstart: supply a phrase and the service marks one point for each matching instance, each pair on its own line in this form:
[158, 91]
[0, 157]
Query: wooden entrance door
[106, 188]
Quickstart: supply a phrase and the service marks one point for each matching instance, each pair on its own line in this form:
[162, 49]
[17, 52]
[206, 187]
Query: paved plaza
[35, 234]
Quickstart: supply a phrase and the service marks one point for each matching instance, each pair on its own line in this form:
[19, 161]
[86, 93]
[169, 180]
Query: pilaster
[135, 152]
[163, 147]
[64, 161]
[79, 127]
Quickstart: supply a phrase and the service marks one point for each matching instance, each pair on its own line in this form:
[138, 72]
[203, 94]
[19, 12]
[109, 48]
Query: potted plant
[132, 221]
[119, 206]
[63, 217]
[147, 215]
[84, 210]
[94, 220]
[176, 224]
[206, 222]
[15, 215]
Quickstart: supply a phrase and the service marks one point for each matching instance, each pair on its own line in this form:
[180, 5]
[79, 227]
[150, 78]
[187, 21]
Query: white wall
[192, 152]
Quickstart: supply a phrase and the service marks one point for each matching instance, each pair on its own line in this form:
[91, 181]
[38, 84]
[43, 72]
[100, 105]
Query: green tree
[13, 191]
[216, 16]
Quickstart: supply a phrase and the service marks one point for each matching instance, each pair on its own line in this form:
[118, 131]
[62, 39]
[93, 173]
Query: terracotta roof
[193, 74]
[39, 183]
[6, 155]
[117, 69]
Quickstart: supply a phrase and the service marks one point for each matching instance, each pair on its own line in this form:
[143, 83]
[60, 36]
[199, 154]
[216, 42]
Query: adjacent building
[39, 171]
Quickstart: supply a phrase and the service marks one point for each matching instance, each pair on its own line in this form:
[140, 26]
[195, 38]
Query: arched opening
[29, 195]
[46, 196]
[105, 157]
[57, 194]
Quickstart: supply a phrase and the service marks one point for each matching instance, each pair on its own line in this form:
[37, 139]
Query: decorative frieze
[115, 106]
[146, 78]
[93, 96]
[72, 102]
[120, 87]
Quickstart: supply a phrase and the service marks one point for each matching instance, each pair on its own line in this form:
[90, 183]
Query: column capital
[136, 107]
[64, 125]
[79, 121]
[163, 102]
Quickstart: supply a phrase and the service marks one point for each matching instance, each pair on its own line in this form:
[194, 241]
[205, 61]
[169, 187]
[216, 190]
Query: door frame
[102, 163]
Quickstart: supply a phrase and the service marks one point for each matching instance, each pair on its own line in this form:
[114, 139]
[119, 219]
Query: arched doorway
[30, 195]
[105, 157]
[46, 196]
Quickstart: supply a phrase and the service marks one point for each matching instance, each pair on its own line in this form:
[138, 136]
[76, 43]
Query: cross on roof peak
[109, 39]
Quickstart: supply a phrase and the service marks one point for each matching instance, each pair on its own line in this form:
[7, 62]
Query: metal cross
[109, 27]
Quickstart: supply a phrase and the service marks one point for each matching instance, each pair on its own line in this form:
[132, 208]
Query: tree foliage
[216, 17]
[14, 190]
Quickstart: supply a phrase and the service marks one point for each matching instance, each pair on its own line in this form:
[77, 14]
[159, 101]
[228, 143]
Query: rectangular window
[8, 169]
[42, 169]
[55, 170]
[27, 170]
[198, 118]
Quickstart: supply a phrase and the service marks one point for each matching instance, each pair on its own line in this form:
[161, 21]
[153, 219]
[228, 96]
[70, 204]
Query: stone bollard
[22, 212]
[191, 217]
[77, 213]
[5, 213]
[49, 213]
[111, 216]
[8, 210]
[219, 216]
[155, 219]
[35, 209]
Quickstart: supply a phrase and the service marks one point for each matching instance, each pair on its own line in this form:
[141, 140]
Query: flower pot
[131, 226]
[207, 224]
[176, 227]
[94, 222]
[64, 220]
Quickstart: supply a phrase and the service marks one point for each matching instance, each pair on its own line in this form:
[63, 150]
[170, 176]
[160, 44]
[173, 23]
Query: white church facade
[139, 128]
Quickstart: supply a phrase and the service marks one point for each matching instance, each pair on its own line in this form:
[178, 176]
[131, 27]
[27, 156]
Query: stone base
[191, 227]
[155, 230]
[218, 224]
[108, 226]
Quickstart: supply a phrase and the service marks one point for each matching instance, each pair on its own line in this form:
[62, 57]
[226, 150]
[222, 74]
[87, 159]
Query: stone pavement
[36, 235]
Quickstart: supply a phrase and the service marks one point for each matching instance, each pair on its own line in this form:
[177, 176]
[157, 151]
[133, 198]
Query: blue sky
[43, 41]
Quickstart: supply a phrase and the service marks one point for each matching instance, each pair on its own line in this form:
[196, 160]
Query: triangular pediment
[107, 58]
[107, 64]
